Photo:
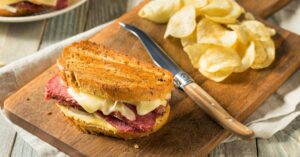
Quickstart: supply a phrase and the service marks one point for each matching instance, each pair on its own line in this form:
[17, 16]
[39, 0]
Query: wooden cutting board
[190, 132]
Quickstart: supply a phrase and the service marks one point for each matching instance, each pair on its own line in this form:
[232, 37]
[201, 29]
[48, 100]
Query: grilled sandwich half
[28, 7]
[102, 91]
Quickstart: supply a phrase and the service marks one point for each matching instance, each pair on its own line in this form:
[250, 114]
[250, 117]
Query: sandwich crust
[88, 123]
[94, 69]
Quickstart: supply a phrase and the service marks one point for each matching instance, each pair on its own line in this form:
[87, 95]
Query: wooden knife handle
[216, 111]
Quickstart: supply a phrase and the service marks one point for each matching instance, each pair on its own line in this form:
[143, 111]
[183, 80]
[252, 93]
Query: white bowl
[72, 5]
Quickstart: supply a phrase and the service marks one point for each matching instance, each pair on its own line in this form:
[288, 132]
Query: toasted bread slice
[89, 123]
[94, 69]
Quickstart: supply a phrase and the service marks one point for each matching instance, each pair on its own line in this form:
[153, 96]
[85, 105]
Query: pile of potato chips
[218, 35]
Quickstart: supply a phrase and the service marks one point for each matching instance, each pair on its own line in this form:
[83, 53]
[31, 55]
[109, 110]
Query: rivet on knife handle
[211, 106]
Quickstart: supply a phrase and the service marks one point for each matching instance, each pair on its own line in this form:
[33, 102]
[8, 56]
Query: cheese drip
[5, 3]
[144, 107]
[91, 104]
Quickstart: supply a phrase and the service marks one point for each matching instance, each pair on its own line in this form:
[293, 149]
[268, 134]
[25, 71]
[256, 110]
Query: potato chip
[221, 43]
[189, 40]
[270, 50]
[194, 52]
[241, 33]
[217, 58]
[229, 18]
[272, 31]
[212, 59]
[247, 58]
[195, 3]
[209, 32]
[216, 8]
[264, 54]
[249, 16]
[260, 54]
[217, 76]
[257, 30]
[182, 23]
[160, 11]
[229, 39]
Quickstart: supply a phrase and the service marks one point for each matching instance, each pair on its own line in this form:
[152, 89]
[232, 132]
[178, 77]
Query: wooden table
[19, 40]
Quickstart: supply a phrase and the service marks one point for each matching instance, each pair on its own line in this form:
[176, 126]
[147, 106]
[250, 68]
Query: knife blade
[185, 82]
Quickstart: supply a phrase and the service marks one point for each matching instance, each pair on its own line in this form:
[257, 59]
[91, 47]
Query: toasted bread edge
[102, 127]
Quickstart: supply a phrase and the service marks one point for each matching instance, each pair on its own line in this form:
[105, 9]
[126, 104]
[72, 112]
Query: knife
[185, 82]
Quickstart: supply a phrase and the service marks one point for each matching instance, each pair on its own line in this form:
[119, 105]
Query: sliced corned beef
[56, 90]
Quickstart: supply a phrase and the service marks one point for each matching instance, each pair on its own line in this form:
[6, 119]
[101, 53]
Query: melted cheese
[93, 119]
[5, 3]
[92, 103]
[144, 107]
[10, 8]
[44, 2]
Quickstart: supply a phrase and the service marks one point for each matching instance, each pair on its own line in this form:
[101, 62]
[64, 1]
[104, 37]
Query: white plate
[72, 5]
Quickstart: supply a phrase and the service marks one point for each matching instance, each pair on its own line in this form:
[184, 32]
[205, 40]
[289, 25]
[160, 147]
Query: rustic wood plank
[264, 8]
[19, 40]
[202, 135]
[236, 149]
[16, 41]
[7, 137]
[65, 26]
[270, 147]
[47, 43]
[293, 130]
[132, 3]
[22, 149]
[283, 143]
[89, 15]
[104, 11]
[57, 29]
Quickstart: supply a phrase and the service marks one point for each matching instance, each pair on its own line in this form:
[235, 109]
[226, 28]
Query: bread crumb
[49, 113]
[136, 146]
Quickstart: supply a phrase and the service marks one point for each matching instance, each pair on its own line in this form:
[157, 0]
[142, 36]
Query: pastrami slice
[57, 91]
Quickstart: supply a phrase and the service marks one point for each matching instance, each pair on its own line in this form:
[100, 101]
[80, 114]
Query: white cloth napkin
[274, 115]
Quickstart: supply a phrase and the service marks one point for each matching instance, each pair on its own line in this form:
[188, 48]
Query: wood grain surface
[22, 149]
[194, 124]
[263, 8]
[5, 149]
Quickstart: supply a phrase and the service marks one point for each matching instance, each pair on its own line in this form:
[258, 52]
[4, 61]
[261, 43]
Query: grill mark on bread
[112, 66]
[88, 66]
